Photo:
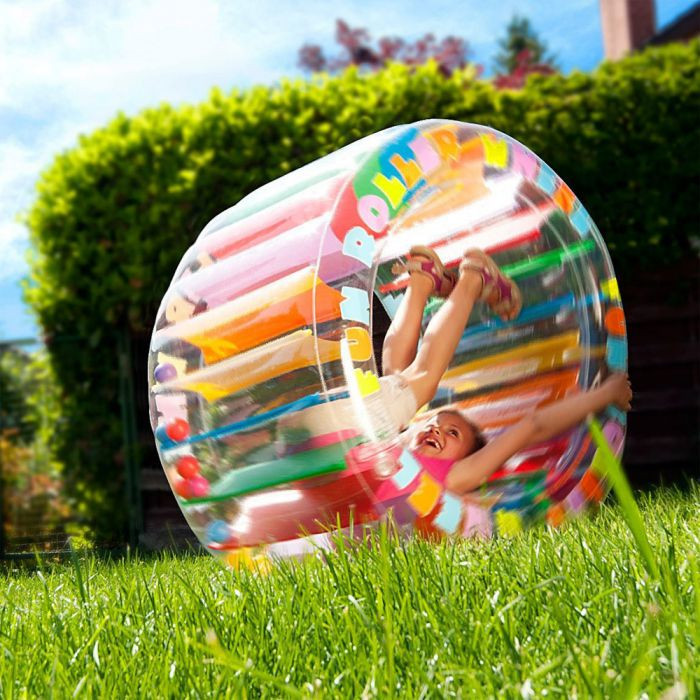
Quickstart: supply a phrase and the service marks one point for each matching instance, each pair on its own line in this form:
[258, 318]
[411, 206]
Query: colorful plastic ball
[162, 436]
[164, 372]
[178, 429]
[187, 466]
[182, 488]
[218, 531]
[199, 487]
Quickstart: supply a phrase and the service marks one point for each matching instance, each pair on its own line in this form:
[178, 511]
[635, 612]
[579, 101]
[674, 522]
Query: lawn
[552, 613]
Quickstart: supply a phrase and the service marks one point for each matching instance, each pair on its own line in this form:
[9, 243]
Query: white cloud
[20, 165]
[13, 247]
[17, 175]
[69, 65]
[110, 56]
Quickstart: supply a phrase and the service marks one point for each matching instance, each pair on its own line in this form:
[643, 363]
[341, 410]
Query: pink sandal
[443, 281]
[509, 301]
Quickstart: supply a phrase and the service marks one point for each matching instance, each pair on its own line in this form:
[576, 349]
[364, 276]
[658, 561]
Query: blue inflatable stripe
[580, 220]
[616, 414]
[546, 179]
[531, 313]
[410, 469]
[616, 354]
[450, 514]
[259, 419]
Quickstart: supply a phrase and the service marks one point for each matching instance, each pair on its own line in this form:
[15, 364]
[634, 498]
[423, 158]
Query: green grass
[547, 614]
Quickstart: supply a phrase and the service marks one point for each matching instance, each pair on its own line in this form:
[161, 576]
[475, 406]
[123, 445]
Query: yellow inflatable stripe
[508, 522]
[367, 381]
[517, 371]
[539, 348]
[611, 289]
[513, 365]
[271, 360]
[495, 151]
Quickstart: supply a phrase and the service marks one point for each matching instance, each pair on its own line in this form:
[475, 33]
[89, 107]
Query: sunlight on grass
[549, 613]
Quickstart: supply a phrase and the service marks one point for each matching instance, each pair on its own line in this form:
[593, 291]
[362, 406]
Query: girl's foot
[425, 261]
[499, 292]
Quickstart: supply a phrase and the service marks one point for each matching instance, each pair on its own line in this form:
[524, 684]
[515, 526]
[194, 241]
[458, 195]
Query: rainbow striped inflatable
[263, 382]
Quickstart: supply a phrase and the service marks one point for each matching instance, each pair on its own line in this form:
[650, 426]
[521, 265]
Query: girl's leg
[442, 337]
[401, 340]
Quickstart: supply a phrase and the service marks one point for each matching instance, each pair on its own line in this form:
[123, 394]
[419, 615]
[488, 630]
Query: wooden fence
[663, 445]
[663, 326]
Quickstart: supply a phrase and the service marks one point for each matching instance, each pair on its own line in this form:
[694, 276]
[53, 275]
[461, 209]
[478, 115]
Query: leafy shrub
[114, 215]
[33, 507]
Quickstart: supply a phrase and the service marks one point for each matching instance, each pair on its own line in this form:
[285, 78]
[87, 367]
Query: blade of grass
[621, 487]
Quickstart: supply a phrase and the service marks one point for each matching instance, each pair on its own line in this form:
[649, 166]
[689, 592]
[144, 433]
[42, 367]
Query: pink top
[436, 467]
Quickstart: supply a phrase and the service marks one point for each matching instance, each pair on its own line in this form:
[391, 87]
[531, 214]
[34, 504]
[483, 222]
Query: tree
[520, 36]
[450, 53]
[522, 54]
[16, 422]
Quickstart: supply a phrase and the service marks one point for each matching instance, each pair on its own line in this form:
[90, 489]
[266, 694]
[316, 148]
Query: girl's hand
[619, 390]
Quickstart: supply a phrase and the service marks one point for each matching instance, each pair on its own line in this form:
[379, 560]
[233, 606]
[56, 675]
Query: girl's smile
[447, 436]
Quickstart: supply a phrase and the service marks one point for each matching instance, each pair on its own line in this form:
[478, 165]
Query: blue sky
[67, 66]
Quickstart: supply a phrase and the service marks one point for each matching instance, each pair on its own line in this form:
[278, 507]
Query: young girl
[449, 443]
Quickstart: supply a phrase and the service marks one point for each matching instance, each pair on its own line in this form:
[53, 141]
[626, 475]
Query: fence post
[129, 431]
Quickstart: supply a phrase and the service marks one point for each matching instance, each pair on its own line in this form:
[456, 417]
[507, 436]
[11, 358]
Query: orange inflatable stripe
[283, 355]
[465, 182]
[506, 406]
[259, 316]
[513, 365]
[467, 153]
[615, 321]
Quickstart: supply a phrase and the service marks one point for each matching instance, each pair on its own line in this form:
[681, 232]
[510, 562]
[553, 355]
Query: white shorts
[398, 398]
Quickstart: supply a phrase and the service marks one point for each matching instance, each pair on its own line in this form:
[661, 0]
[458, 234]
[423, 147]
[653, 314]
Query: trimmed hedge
[114, 215]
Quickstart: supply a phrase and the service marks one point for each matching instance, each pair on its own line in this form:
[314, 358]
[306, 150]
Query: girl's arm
[540, 425]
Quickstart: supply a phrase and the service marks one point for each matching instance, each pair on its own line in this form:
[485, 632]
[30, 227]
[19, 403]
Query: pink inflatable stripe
[273, 221]
[324, 440]
[493, 238]
[476, 521]
[265, 263]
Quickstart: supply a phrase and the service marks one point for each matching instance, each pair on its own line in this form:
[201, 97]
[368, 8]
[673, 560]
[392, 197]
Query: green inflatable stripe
[256, 477]
[532, 266]
[551, 258]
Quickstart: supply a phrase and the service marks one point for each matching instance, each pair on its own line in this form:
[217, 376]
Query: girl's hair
[479, 439]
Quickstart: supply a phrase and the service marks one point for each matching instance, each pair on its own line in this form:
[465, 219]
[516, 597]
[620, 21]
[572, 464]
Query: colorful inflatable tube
[264, 388]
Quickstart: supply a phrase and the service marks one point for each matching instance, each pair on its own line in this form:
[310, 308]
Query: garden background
[606, 606]
[114, 214]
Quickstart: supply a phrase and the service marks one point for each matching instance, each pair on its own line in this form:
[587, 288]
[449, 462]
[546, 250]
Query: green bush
[114, 215]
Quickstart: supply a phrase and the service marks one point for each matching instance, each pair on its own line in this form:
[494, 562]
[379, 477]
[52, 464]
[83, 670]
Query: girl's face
[447, 436]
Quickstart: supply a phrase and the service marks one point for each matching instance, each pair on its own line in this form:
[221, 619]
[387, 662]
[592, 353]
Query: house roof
[684, 27]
